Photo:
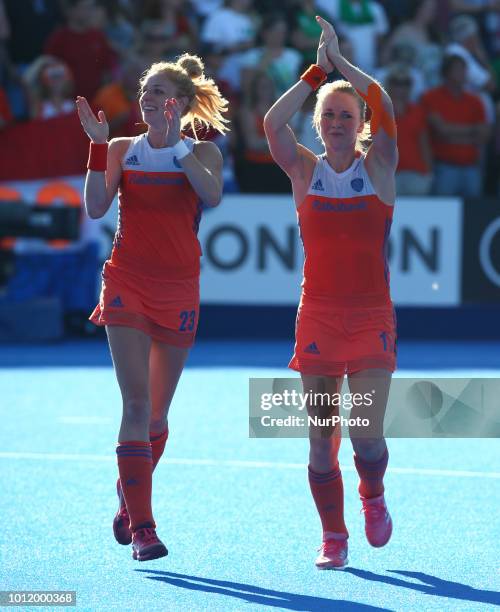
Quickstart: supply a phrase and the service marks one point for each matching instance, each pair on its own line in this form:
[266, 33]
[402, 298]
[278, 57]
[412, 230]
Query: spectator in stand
[403, 54]
[458, 131]
[465, 40]
[4, 24]
[153, 44]
[111, 18]
[179, 31]
[396, 11]
[231, 27]
[120, 100]
[306, 31]
[287, 7]
[5, 113]
[363, 22]
[257, 172]
[281, 63]
[204, 8]
[13, 91]
[214, 58]
[31, 22]
[487, 14]
[420, 35]
[233, 30]
[83, 48]
[13, 86]
[474, 7]
[492, 27]
[479, 77]
[414, 171]
[51, 88]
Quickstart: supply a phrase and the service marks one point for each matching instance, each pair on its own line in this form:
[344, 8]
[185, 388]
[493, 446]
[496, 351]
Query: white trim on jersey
[351, 183]
[142, 157]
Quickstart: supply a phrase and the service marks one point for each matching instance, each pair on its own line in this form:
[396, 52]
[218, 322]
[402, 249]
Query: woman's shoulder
[121, 141]
[206, 149]
[119, 146]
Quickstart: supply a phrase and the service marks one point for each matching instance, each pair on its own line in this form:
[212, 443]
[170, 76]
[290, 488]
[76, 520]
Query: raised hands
[173, 116]
[328, 49]
[321, 57]
[96, 128]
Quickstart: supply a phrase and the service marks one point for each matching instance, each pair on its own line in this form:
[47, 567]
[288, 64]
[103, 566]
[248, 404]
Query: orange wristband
[98, 157]
[314, 76]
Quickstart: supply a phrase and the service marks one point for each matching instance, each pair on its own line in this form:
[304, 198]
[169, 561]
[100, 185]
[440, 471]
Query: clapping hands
[328, 48]
[173, 117]
[96, 128]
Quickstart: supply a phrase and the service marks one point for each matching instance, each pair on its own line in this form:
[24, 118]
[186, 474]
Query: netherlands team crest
[357, 184]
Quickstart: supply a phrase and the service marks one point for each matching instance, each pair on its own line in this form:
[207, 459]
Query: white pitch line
[242, 464]
[84, 420]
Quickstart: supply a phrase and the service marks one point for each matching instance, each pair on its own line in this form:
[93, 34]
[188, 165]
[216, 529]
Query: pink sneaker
[378, 522]
[146, 545]
[121, 522]
[332, 554]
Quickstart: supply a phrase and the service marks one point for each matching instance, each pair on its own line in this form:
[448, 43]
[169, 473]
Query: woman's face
[155, 91]
[340, 121]
[56, 78]
[155, 41]
[456, 73]
[275, 35]
[427, 11]
[400, 87]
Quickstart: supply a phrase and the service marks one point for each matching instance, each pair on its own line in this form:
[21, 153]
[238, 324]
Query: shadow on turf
[258, 595]
[431, 585]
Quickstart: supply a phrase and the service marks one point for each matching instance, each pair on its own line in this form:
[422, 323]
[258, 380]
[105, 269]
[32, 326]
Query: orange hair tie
[314, 76]
[380, 117]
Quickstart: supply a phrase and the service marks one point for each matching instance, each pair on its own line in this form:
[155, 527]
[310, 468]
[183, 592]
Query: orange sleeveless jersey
[151, 281]
[159, 215]
[345, 229]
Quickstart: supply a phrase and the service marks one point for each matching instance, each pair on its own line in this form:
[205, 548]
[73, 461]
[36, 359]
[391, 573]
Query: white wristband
[180, 149]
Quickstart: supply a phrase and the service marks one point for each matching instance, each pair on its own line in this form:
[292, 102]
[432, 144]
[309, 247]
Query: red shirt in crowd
[466, 109]
[87, 54]
[411, 125]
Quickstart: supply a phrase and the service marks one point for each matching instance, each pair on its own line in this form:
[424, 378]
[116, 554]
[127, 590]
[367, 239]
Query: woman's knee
[136, 410]
[370, 449]
[324, 451]
[157, 424]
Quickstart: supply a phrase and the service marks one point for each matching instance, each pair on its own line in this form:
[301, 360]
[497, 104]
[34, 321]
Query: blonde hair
[363, 139]
[205, 102]
[33, 75]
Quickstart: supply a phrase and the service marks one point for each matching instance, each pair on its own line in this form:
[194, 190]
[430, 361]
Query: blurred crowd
[438, 59]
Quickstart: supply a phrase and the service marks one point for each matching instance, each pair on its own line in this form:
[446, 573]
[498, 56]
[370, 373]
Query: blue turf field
[235, 513]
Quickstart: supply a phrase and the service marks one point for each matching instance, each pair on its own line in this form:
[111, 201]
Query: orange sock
[157, 447]
[371, 475]
[135, 465]
[328, 493]
[158, 442]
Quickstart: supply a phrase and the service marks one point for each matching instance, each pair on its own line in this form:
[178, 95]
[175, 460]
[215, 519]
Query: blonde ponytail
[205, 102]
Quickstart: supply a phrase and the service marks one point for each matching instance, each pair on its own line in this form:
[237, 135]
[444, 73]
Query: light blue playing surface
[235, 513]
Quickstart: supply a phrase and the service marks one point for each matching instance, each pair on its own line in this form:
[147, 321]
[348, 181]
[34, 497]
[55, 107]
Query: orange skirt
[330, 341]
[165, 310]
